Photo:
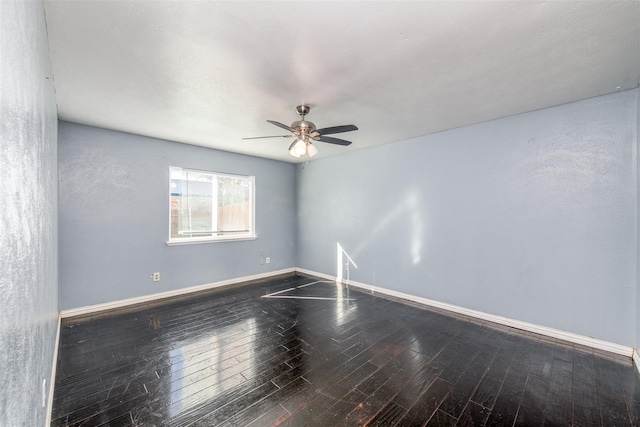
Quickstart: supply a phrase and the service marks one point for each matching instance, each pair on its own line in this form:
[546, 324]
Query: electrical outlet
[155, 277]
[346, 266]
[268, 260]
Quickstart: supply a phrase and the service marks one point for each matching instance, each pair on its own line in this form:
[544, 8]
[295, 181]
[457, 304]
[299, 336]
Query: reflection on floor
[326, 355]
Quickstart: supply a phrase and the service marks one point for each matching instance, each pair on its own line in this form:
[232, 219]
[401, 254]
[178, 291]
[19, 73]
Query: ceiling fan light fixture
[300, 147]
[294, 154]
[311, 149]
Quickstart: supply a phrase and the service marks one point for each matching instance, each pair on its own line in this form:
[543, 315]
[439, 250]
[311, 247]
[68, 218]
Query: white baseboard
[162, 295]
[315, 273]
[636, 359]
[531, 327]
[52, 380]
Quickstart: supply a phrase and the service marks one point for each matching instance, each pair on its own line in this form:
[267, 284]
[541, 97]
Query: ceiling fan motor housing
[304, 126]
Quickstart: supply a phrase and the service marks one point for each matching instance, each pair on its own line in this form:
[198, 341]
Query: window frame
[174, 241]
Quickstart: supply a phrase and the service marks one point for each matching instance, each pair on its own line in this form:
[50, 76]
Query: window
[209, 206]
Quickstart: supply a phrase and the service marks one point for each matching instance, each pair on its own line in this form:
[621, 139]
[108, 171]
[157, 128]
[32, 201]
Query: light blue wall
[114, 217]
[532, 217]
[28, 214]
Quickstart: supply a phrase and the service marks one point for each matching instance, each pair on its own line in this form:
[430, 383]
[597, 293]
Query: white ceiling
[210, 73]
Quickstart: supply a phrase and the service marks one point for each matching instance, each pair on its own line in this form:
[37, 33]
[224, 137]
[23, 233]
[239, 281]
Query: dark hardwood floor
[321, 355]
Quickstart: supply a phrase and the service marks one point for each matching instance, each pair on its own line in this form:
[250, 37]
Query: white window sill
[198, 241]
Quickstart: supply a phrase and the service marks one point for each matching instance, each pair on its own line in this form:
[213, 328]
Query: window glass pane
[197, 213]
[206, 206]
[234, 204]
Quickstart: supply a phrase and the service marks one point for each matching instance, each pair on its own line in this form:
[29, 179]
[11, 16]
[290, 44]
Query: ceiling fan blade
[272, 136]
[290, 129]
[331, 140]
[337, 129]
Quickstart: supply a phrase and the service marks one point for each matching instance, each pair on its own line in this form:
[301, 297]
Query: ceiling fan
[305, 131]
